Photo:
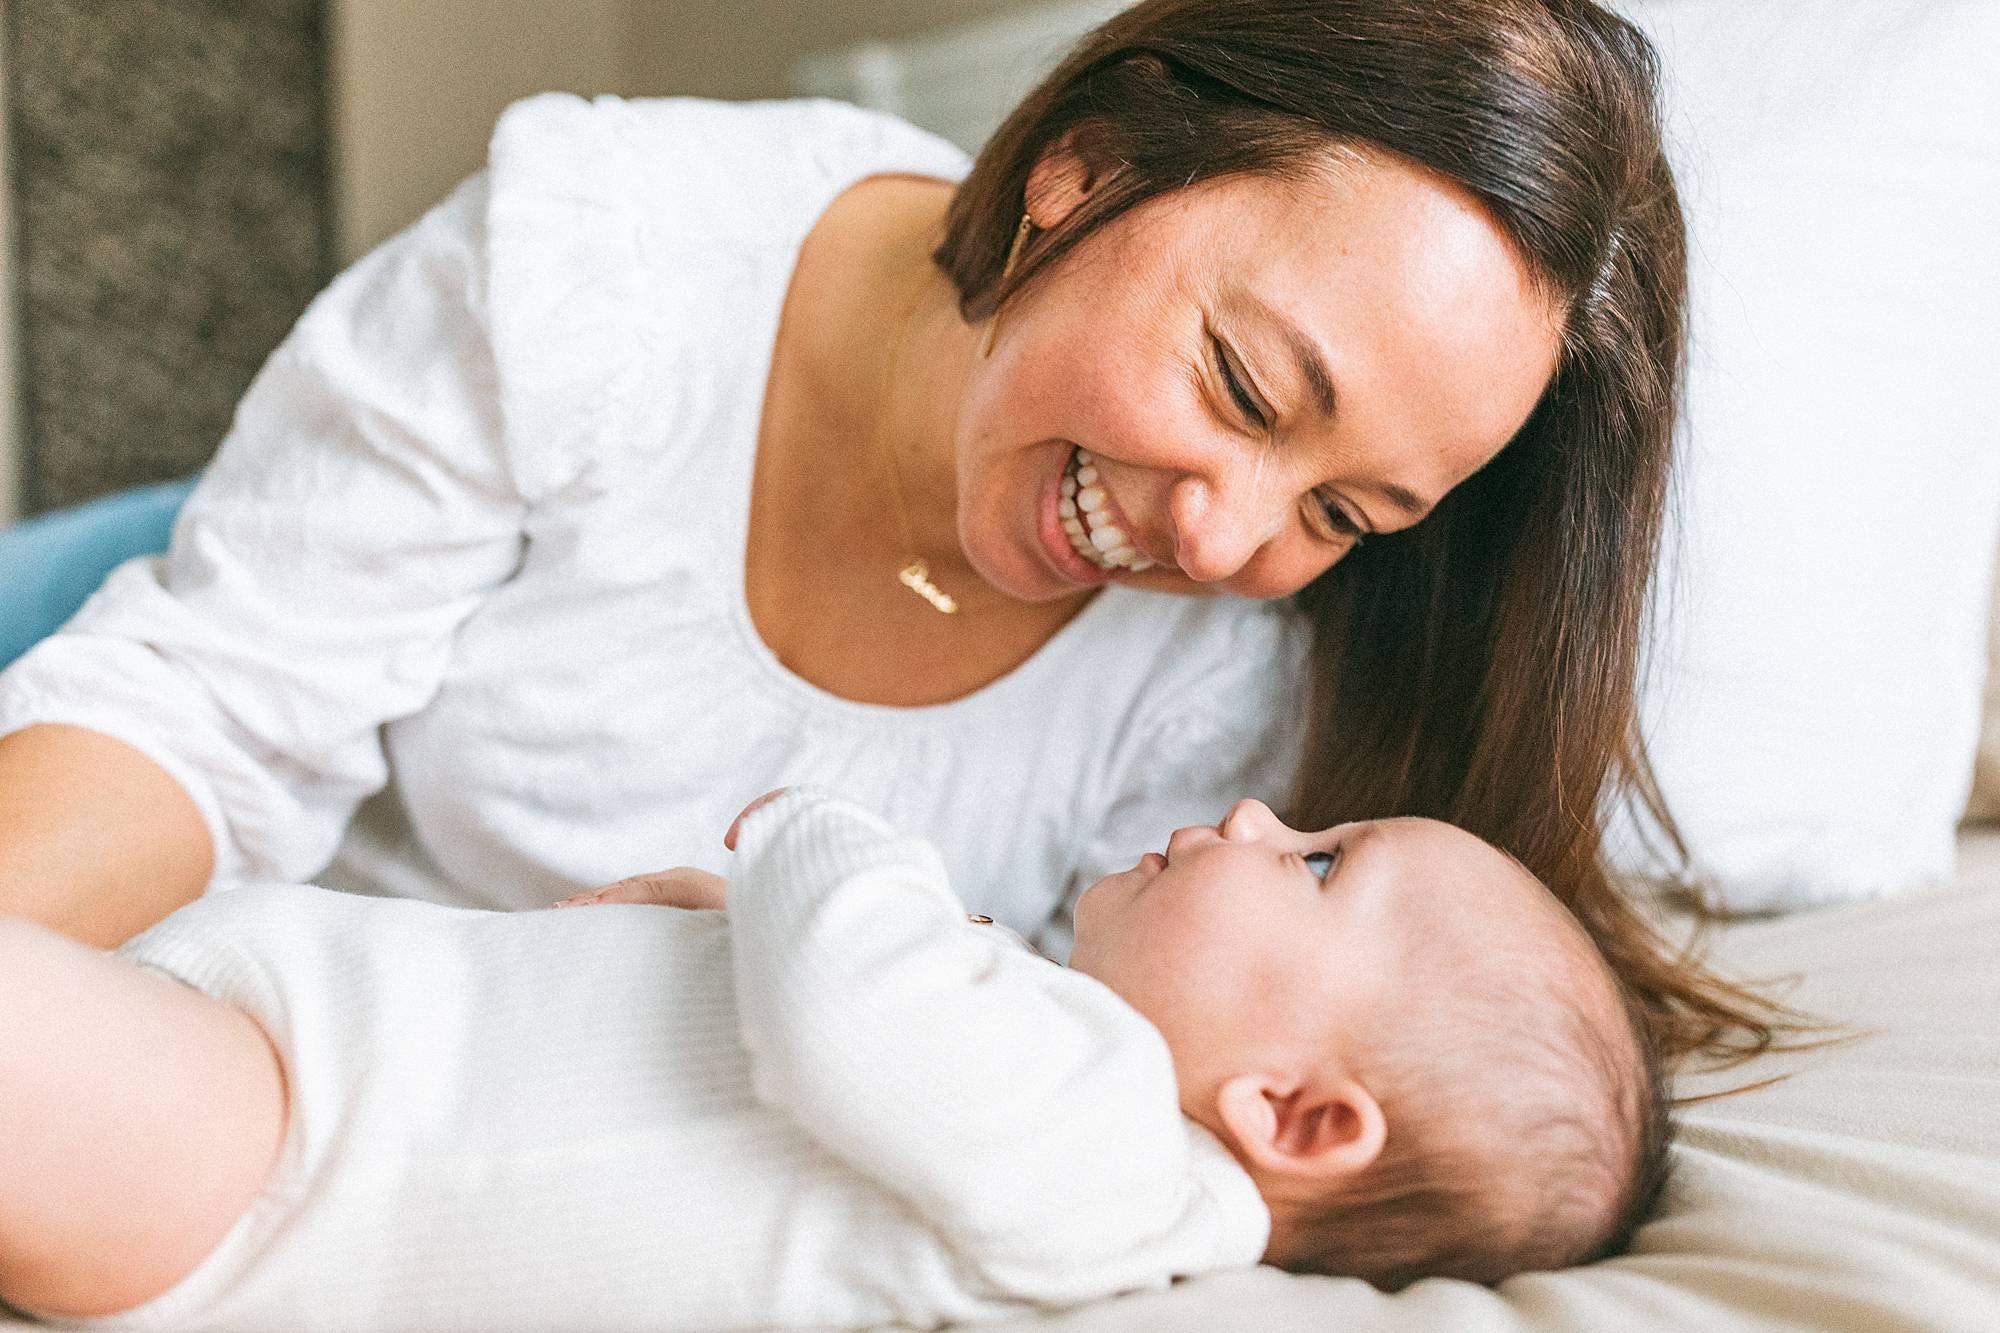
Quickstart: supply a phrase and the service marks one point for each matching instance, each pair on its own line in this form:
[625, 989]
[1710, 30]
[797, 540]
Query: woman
[694, 449]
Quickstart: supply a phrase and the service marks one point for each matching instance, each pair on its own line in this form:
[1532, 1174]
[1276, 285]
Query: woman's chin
[1019, 571]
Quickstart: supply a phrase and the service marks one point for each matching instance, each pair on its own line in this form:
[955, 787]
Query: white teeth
[1085, 516]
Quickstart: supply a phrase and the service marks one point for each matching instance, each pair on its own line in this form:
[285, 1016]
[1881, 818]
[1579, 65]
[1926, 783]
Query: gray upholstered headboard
[168, 208]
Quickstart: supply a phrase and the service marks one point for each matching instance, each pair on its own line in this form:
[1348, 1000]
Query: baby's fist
[736, 824]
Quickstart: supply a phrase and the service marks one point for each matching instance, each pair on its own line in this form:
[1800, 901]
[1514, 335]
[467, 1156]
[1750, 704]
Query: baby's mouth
[1087, 518]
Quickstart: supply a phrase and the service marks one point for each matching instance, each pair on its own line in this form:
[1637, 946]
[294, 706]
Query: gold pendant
[916, 576]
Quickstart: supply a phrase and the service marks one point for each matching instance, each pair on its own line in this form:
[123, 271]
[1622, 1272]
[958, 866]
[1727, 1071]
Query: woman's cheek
[1285, 566]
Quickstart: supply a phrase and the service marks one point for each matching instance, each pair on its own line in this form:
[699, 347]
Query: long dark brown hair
[1482, 666]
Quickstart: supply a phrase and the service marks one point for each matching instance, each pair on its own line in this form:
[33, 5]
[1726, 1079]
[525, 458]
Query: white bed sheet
[1861, 1194]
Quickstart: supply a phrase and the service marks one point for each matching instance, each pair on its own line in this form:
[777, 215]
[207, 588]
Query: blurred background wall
[185, 174]
[417, 83]
[10, 465]
[167, 181]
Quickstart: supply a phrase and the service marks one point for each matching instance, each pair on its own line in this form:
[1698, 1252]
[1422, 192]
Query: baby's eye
[1319, 863]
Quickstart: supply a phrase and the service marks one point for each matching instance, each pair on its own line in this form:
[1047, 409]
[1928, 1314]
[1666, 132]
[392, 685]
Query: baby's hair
[1528, 1128]
[1652, 1159]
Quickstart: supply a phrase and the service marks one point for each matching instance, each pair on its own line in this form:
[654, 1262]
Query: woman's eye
[1244, 402]
[1340, 520]
[1320, 863]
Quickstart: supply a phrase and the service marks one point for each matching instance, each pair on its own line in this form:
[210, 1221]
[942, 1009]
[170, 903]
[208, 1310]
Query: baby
[1381, 1050]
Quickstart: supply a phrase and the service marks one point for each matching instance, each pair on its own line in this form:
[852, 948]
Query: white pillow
[1814, 693]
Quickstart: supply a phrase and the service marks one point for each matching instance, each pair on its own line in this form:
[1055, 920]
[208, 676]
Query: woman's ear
[1058, 183]
[1318, 1133]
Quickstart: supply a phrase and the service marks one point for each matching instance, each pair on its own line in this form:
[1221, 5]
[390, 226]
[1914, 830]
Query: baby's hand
[683, 886]
[729, 838]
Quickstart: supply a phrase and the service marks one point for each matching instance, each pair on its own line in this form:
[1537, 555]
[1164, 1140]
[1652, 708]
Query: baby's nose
[1249, 818]
[1186, 839]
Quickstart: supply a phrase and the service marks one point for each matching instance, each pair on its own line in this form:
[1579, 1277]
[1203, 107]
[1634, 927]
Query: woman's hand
[683, 886]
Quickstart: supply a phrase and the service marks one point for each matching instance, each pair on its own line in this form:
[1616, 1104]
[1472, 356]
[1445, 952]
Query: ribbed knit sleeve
[1027, 1113]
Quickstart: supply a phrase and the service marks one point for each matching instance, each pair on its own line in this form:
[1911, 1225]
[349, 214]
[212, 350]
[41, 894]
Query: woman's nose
[1219, 522]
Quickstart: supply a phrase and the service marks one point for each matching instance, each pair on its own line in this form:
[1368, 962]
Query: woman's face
[1260, 371]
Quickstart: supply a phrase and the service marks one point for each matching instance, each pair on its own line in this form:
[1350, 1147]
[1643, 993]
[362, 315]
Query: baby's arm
[139, 1118]
[1026, 1112]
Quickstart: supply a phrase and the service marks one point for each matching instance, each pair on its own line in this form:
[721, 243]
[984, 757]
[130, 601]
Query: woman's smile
[1097, 528]
[1056, 543]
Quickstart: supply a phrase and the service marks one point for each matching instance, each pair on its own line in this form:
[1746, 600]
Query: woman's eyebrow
[1403, 498]
[1305, 354]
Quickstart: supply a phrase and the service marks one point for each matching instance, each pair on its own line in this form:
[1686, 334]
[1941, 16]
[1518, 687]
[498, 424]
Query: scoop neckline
[763, 341]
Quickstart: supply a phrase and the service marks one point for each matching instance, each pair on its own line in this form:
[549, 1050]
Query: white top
[841, 1104]
[479, 526]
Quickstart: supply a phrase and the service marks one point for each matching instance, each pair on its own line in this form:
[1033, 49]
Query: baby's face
[1248, 936]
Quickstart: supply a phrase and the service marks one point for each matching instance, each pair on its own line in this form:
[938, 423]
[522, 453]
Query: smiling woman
[1281, 400]
[1183, 345]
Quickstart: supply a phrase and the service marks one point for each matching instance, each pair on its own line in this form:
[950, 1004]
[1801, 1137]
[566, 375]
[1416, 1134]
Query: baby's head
[1409, 1044]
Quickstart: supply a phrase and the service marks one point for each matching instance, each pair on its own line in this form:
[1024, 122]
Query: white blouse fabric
[478, 527]
[840, 1104]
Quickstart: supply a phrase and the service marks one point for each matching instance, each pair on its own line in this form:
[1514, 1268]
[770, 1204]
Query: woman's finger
[683, 886]
[636, 889]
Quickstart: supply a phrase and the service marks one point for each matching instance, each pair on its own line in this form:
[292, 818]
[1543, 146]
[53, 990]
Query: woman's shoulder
[702, 170]
[636, 248]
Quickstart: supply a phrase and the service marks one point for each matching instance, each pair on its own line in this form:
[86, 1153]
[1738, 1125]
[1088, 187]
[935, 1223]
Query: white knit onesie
[841, 1104]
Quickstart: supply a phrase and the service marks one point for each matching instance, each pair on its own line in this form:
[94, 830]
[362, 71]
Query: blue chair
[50, 564]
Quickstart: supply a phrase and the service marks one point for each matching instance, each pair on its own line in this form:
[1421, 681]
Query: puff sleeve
[361, 505]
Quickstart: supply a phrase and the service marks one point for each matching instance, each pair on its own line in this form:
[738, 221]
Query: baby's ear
[1319, 1132]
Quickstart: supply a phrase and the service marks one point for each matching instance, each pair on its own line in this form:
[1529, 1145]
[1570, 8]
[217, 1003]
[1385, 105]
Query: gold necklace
[916, 572]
